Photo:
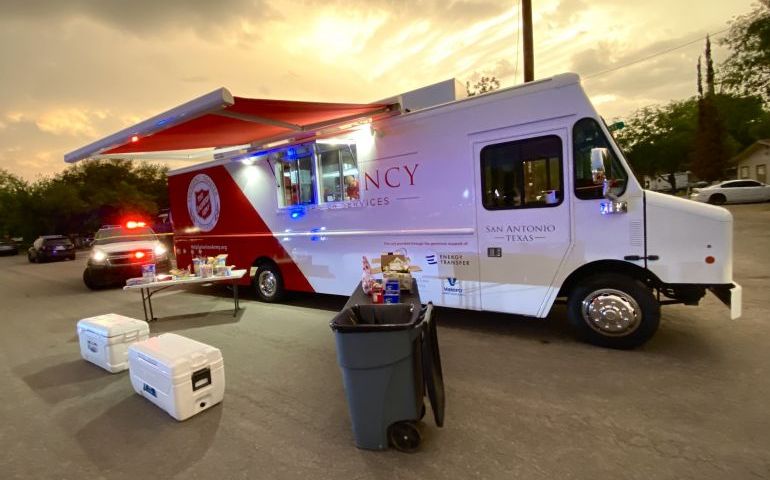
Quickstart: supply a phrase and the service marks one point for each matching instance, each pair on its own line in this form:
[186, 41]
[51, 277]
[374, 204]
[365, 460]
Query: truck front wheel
[613, 311]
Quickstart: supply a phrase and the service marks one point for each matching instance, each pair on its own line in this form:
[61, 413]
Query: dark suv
[51, 247]
[119, 252]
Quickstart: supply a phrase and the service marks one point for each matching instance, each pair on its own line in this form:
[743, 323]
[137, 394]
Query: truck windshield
[116, 235]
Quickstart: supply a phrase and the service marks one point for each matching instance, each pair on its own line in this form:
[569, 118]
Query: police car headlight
[98, 256]
[160, 251]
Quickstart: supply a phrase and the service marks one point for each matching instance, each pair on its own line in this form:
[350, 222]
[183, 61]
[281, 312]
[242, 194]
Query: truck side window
[586, 135]
[295, 173]
[339, 172]
[522, 173]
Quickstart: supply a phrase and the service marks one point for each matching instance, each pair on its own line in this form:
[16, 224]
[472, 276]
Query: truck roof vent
[436, 94]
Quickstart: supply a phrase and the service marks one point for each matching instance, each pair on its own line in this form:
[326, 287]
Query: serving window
[294, 168]
[316, 173]
[339, 172]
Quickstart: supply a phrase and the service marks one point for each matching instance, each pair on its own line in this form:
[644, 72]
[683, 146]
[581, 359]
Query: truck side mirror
[598, 156]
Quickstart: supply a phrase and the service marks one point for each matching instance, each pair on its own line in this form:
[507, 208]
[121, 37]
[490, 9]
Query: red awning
[220, 120]
[246, 121]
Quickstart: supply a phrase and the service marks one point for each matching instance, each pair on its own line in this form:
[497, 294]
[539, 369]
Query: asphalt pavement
[524, 399]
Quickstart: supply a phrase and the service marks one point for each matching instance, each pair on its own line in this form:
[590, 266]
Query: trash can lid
[431, 364]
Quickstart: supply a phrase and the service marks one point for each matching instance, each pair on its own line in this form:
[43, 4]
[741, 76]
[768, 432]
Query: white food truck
[508, 201]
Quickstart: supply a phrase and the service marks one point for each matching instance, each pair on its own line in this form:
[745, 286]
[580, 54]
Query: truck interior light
[710, 260]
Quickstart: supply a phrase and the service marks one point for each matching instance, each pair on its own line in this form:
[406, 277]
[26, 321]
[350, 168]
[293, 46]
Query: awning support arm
[245, 117]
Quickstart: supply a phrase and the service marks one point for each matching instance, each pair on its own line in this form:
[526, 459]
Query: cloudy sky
[73, 71]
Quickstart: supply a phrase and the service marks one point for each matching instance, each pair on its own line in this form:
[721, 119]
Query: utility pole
[529, 58]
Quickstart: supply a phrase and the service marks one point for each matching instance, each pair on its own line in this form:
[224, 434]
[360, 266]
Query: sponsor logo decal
[450, 259]
[203, 202]
[451, 286]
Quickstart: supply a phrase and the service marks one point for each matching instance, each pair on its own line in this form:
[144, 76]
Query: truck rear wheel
[613, 311]
[268, 283]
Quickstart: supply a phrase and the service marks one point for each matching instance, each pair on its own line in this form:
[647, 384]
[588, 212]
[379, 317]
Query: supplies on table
[148, 272]
[178, 374]
[137, 281]
[104, 339]
[396, 266]
[212, 266]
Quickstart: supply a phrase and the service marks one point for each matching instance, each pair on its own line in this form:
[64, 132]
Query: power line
[649, 57]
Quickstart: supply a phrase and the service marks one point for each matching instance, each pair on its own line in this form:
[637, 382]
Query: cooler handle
[201, 378]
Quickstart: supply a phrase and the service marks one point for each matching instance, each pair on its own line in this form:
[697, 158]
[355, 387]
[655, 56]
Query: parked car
[119, 251]
[8, 248]
[51, 247]
[732, 191]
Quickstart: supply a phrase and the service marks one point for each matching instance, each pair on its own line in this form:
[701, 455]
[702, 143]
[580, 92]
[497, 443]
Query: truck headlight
[98, 256]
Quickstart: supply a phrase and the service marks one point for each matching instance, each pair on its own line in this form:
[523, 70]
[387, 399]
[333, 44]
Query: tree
[82, 198]
[747, 70]
[709, 156]
[658, 139]
[12, 188]
[483, 85]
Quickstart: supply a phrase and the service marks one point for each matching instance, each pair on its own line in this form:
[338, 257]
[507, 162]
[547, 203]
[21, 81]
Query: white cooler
[104, 340]
[178, 374]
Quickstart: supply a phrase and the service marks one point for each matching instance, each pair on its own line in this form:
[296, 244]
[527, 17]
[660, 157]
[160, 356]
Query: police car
[119, 251]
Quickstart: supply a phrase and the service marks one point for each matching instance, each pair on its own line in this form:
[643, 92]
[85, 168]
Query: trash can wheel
[404, 436]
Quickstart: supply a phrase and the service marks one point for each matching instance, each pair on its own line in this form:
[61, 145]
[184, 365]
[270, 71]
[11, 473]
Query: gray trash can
[379, 349]
[388, 355]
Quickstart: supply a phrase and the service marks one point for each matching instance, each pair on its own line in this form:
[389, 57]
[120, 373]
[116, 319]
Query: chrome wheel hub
[611, 312]
[267, 283]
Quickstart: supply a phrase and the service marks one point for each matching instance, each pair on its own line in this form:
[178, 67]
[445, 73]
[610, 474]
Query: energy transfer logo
[203, 202]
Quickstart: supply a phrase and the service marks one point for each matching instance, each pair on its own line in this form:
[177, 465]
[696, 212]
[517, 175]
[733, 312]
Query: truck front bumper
[731, 295]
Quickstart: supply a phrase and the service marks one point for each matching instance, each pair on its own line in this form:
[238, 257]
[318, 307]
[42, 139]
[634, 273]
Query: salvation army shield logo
[203, 202]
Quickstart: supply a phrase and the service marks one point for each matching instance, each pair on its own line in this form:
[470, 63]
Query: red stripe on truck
[236, 217]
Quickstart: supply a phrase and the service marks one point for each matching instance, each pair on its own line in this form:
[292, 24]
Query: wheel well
[265, 261]
[608, 266]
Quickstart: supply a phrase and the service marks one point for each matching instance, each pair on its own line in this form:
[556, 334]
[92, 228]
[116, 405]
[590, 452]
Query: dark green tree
[746, 71]
[658, 139]
[82, 198]
[12, 189]
[710, 153]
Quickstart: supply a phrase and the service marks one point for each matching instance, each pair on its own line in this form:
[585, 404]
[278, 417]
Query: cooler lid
[173, 351]
[113, 325]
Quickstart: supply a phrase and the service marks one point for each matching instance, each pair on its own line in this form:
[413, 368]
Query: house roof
[758, 145]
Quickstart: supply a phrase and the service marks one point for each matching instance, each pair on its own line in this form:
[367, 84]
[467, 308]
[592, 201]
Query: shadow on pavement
[545, 330]
[136, 439]
[195, 320]
[59, 378]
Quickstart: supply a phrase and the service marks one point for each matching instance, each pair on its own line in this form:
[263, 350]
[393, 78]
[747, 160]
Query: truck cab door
[523, 218]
